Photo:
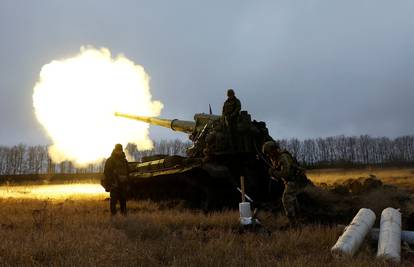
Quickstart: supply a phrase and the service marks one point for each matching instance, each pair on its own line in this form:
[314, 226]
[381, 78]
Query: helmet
[270, 146]
[118, 147]
[230, 92]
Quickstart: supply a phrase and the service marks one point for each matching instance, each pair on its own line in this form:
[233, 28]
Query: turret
[210, 135]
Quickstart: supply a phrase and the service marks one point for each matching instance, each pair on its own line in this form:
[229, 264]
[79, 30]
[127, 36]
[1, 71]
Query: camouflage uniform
[230, 114]
[231, 110]
[116, 176]
[285, 166]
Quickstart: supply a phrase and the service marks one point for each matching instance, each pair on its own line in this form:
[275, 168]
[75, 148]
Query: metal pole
[242, 188]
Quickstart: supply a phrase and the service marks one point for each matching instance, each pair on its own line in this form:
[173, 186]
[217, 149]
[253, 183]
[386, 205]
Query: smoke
[75, 100]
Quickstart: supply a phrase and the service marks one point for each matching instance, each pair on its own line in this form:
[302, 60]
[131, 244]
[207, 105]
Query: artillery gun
[209, 175]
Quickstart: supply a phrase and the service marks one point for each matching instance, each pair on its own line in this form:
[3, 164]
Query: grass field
[402, 177]
[38, 228]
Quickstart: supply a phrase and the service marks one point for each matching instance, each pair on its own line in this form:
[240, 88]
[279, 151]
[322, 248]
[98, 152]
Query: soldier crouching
[116, 177]
[285, 167]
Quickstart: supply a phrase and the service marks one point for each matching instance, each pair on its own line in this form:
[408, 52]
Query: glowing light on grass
[75, 100]
[53, 191]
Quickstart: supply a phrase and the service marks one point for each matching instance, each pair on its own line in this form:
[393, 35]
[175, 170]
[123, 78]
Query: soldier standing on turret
[285, 167]
[231, 108]
[230, 114]
[116, 175]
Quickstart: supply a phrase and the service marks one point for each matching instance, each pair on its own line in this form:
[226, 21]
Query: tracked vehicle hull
[206, 185]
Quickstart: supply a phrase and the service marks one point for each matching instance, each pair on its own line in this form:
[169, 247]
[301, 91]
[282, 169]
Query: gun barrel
[176, 125]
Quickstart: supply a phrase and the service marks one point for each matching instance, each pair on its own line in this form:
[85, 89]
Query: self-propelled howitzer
[210, 173]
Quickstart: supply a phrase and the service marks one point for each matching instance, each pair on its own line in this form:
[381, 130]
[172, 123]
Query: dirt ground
[77, 230]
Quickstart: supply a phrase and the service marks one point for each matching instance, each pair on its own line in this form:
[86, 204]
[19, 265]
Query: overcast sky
[307, 68]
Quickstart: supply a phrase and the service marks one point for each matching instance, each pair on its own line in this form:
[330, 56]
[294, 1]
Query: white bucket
[245, 210]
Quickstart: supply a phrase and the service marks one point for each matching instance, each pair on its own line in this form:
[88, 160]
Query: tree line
[24, 159]
[344, 151]
[336, 151]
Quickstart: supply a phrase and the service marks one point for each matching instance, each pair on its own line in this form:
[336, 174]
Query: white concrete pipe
[406, 236]
[354, 234]
[389, 241]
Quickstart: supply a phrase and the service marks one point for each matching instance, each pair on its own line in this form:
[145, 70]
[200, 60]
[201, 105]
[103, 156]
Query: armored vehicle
[209, 175]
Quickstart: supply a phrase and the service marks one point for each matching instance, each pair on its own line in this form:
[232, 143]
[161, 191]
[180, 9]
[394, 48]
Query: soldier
[230, 114]
[286, 167]
[231, 108]
[116, 175]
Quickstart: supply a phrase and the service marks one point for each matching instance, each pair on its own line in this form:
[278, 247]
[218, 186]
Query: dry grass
[397, 191]
[81, 233]
[53, 191]
[402, 177]
[78, 231]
